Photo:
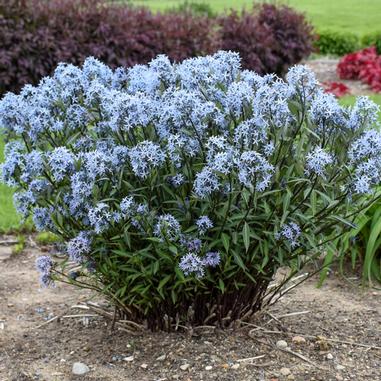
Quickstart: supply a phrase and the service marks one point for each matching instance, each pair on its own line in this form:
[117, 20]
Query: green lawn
[350, 99]
[8, 217]
[360, 17]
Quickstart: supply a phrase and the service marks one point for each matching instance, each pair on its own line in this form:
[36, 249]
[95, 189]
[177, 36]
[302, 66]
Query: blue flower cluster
[290, 232]
[194, 264]
[158, 150]
[44, 265]
[317, 160]
[79, 247]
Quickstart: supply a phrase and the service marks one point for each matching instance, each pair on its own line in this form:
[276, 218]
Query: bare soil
[339, 310]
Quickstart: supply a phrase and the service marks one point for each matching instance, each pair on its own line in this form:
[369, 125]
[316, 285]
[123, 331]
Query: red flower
[364, 65]
[338, 89]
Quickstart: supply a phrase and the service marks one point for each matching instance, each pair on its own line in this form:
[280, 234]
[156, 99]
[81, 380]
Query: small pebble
[298, 340]
[281, 344]
[144, 366]
[184, 366]
[329, 356]
[80, 368]
[208, 367]
[340, 367]
[235, 366]
[128, 358]
[285, 371]
[161, 358]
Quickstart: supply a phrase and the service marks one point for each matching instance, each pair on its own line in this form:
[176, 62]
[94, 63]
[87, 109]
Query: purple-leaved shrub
[180, 189]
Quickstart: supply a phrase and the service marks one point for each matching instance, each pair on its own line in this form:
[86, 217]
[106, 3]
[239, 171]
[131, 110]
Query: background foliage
[37, 35]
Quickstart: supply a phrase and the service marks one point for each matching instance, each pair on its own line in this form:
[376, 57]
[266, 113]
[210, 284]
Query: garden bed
[339, 311]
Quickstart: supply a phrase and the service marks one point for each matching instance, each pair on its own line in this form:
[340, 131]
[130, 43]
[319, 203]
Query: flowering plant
[364, 65]
[180, 189]
[338, 89]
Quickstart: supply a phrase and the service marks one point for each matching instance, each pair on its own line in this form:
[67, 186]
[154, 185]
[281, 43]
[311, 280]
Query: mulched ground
[307, 319]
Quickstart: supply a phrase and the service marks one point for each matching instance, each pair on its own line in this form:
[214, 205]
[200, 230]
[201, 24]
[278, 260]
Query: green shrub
[19, 247]
[198, 8]
[181, 189]
[47, 238]
[373, 39]
[335, 43]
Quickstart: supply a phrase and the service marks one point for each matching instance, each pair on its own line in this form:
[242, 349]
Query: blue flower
[317, 160]
[176, 180]
[61, 162]
[291, 233]
[167, 228]
[79, 247]
[128, 206]
[211, 259]
[192, 264]
[254, 171]
[206, 182]
[303, 79]
[363, 114]
[325, 110]
[145, 157]
[204, 223]
[23, 202]
[44, 265]
[100, 217]
[366, 146]
[42, 219]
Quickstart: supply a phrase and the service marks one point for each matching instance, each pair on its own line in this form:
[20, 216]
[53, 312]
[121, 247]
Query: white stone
[285, 372]
[184, 367]
[208, 367]
[161, 358]
[80, 368]
[235, 366]
[329, 356]
[281, 344]
[128, 358]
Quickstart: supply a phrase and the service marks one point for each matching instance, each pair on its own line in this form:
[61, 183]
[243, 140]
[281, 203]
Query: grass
[359, 17]
[350, 99]
[9, 220]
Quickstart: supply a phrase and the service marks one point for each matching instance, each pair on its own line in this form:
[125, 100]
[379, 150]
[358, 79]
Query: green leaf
[173, 296]
[239, 260]
[162, 283]
[173, 249]
[225, 241]
[345, 222]
[246, 236]
[221, 285]
[371, 249]
[156, 266]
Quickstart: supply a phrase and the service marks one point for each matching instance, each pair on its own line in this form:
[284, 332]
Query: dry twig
[251, 358]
